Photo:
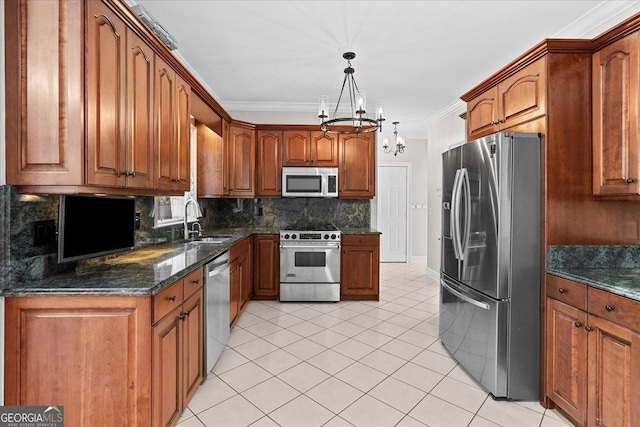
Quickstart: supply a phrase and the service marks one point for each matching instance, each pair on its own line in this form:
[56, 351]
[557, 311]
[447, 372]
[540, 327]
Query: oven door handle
[330, 245]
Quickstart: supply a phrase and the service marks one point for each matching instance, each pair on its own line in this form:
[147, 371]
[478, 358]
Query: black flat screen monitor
[91, 226]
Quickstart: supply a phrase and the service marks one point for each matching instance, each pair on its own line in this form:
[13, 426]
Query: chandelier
[398, 142]
[359, 122]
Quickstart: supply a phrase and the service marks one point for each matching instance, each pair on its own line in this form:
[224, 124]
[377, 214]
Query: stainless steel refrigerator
[490, 267]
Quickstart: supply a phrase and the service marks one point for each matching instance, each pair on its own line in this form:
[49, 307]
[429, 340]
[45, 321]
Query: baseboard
[433, 274]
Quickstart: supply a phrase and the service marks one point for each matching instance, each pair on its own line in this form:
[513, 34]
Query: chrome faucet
[187, 232]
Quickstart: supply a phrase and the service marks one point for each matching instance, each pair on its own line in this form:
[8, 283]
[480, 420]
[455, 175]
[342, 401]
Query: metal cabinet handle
[182, 317]
[196, 281]
[630, 180]
[609, 307]
[172, 298]
[562, 290]
[588, 328]
[578, 324]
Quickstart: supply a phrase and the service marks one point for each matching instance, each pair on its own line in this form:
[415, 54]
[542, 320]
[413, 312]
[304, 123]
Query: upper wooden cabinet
[119, 100]
[212, 164]
[616, 144]
[242, 161]
[357, 166]
[309, 148]
[172, 129]
[269, 166]
[517, 99]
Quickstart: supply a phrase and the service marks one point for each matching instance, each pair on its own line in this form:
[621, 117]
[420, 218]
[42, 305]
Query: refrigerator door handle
[465, 184]
[454, 219]
[466, 298]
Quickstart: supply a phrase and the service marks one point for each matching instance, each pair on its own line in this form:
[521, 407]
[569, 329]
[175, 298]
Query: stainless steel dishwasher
[216, 310]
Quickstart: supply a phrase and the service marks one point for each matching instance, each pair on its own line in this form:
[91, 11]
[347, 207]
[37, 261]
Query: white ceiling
[416, 56]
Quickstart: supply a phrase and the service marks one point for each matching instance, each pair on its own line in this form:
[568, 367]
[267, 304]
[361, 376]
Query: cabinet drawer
[238, 249]
[620, 310]
[192, 282]
[572, 293]
[166, 300]
[360, 239]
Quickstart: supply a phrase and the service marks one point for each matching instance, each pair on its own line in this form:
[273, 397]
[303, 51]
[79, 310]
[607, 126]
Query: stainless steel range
[310, 264]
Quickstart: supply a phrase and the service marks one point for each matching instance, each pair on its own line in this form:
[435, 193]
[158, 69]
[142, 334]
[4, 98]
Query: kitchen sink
[217, 239]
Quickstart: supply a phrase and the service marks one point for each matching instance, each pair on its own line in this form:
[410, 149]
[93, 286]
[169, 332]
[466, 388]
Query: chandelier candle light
[398, 142]
[359, 122]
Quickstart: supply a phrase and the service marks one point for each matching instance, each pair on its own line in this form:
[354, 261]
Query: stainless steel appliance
[310, 264]
[216, 309]
[490, 266]
[309, 182]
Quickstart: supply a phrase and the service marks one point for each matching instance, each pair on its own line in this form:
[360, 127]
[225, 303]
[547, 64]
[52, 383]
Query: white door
[393, 220]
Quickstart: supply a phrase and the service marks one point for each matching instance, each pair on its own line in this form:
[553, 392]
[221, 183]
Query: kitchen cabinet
[173, 129]
[242, 160]
[266, 267]
[357, 167]
[360, 267]
[616, 143]
[240, 278]
[310, 148]
[90, 354]
[119, 102]
[521, 97]
[212, 164]
[177, 347]
[269, 168]
[593, 354]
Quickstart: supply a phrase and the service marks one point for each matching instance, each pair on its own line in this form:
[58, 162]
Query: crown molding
[455, 107]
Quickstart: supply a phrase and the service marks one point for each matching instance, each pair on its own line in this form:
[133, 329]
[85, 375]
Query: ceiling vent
[153, 24]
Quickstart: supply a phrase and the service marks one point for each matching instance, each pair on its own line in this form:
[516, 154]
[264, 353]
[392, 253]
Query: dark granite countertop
[614, 269]
[144, 271]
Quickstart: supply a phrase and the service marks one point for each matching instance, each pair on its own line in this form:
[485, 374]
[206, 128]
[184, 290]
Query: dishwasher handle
[218, 265]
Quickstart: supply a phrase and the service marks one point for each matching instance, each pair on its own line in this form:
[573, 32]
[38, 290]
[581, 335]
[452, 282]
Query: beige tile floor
[350, 364]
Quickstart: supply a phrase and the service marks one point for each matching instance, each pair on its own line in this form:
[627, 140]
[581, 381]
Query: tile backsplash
[21, 259]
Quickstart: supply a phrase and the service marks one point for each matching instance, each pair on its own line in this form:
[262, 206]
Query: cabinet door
[44, 88]
[242, 162]
[211, 162]
[566, 358]
[192, 317]
[182, 148]
[295, 150]
[615, 118]
[140, 141]
[360, 268]
[167, 370]
[269, 170]
[266, 263]
[614, 374]
[323, 149]
[89, 354]
[105, 96]
[165, 134]
[482, 114]
[522, 97]
[356, 177]
[246, 279]
[235, 275]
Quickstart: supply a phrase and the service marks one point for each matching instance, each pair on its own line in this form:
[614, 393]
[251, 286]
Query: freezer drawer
[473, 328]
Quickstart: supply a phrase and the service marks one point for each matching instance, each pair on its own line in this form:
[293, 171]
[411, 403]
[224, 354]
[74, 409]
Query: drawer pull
[588, 328]
[196, 281]
[578, 324]
[609, 307]
[172, 298]
[562, 290]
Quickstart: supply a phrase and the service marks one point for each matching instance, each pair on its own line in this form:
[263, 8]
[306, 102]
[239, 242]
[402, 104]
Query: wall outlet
[44, 232]
[137, 221]
[260, 211]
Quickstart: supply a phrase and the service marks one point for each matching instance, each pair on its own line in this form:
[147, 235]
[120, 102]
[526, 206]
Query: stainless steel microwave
[309, 182]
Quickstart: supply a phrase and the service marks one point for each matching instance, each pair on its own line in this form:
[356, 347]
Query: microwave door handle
[325, 185]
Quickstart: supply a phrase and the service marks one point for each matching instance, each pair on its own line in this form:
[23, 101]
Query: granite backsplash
[577, 257]
[21, 259]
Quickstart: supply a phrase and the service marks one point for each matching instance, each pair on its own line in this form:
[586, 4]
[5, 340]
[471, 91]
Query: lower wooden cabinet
[177, 349]
[593, 356]
[91, 355]
[240, 277]
[266, 267]
[360, 267]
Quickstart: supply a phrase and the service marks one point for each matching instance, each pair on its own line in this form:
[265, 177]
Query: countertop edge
[633, 295]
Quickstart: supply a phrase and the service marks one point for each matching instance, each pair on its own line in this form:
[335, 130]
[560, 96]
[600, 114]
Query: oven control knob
[333, 236]
[326, 237]
[286, 236]
[293, 236]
